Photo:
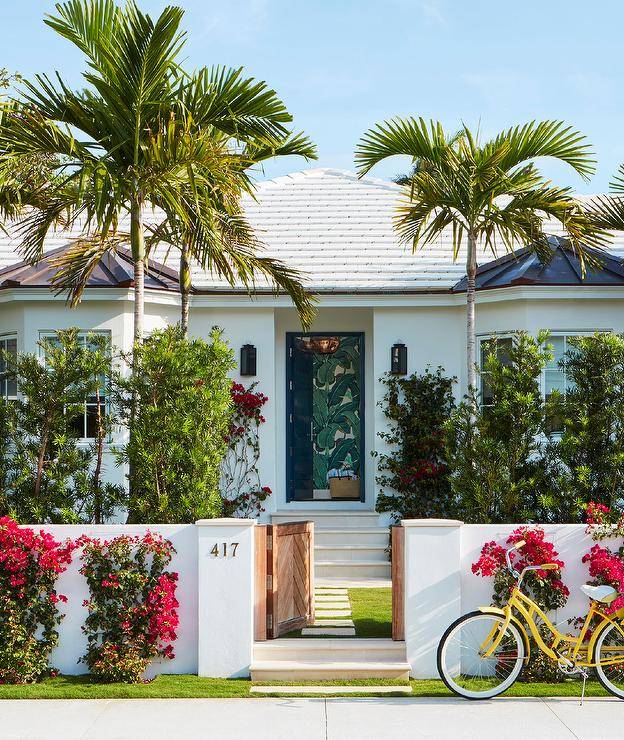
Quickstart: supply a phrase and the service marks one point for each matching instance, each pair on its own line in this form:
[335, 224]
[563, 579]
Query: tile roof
[562, 268]
[112, 271]
[337, 230]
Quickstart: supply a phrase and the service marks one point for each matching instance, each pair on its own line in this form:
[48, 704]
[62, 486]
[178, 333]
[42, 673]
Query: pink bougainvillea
[545, 586]
[30, 563]
[133, 609]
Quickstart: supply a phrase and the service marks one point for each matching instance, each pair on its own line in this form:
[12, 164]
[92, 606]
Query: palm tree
[129, 141]
[222, 241]
[608, 210]
[491, 192]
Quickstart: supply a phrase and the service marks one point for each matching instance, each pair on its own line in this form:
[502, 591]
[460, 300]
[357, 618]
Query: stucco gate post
[225, 551]
[432, 588]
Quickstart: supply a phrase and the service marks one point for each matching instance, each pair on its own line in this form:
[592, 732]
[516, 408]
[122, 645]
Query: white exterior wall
[72, 641]
[440, 585]
[432, 327]
[255, 326]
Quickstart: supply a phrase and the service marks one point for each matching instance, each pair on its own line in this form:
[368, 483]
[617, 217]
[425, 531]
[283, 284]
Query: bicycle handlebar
[518, 576]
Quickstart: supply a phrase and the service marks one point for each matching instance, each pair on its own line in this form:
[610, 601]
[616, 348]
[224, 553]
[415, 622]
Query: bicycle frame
[574, 652]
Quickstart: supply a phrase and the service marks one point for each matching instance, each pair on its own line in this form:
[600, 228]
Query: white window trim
[6, 336]
[51, 333]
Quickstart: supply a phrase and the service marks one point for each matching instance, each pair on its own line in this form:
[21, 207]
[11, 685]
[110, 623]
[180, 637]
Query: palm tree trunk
[185, 288]
[471, 271]
[137, 242]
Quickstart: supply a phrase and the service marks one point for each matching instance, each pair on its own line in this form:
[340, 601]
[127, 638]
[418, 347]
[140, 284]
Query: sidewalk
[311, 719]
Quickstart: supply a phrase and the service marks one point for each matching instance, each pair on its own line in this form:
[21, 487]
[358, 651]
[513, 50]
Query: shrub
[605, 566]
[48, 477]
[30, 564]
[590, 452]
[495, 452]
[132, 606]
[414, 471]
[241, 489]
[177, 404]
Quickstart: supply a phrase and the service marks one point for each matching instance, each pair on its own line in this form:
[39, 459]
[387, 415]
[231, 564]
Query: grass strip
[193, 687]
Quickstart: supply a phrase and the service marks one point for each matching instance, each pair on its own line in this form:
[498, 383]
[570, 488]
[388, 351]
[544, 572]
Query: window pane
[92, 418]
[502, 347]
[77, 426]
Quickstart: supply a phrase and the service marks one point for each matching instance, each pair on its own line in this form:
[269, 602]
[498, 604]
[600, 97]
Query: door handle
[312, 431]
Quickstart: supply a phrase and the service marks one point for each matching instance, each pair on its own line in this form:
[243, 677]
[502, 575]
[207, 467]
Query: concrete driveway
[311, 719]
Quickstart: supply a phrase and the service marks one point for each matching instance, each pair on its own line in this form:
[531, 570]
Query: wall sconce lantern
[398, 359]
[248, 356]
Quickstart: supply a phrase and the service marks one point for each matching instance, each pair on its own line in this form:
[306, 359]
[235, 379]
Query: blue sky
[341, 66]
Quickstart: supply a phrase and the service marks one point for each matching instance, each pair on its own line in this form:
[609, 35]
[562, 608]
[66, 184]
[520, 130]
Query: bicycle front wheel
[462, 661]
[609, 659]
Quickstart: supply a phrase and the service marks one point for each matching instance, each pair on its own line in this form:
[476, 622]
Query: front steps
[348, 546]
[320, 658]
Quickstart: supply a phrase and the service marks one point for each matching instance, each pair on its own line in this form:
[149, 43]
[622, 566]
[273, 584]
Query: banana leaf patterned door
[325, 382]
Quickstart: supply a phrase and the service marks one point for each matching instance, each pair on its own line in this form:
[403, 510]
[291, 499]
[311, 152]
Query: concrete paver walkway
[312, 719]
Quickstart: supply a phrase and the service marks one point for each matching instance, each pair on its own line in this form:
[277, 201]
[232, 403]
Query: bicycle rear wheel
[463, 665]
[609, 659]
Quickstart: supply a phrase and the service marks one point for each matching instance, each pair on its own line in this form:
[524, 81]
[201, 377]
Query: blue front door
[325, 419]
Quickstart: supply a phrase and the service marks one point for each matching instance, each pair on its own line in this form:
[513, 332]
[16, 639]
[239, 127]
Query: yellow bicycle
[483, 653]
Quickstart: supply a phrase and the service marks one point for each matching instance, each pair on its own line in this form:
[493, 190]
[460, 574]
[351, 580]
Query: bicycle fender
[516, 622]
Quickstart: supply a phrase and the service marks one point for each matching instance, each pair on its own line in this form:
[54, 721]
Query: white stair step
[331, 598]
[318, 629]
[375, 553]
[329, 519]
[331, 690]
[355, 535]
[332, 623]
[330, 649]
[356, 581]
[351, 569]
[270, 670]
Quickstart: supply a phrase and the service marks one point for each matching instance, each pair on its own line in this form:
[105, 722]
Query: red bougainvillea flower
[30, 563]
[536, 551]
[132, 610]
[607, 569]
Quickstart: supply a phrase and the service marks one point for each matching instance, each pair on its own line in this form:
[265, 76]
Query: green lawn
[372, 611]
[192, 687]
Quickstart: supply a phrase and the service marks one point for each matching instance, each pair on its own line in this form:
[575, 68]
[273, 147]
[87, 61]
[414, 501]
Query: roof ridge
[328, 172]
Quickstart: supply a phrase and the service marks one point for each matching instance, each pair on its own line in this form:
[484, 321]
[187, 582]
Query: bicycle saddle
[604, 594]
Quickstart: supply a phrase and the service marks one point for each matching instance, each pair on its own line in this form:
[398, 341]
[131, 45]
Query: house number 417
[224, 549]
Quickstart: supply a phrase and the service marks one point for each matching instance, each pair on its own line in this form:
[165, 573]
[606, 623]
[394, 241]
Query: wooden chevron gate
[284, 578]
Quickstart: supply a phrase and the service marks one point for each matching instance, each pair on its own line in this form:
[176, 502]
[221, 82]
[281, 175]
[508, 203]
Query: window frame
[508, 334]
[481, 339]
[4, 383]
[82, 333]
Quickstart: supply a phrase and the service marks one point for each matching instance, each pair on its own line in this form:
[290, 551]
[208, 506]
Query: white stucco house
[373, 293]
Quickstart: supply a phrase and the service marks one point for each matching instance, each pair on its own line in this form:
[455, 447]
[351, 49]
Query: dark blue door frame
[290, 340]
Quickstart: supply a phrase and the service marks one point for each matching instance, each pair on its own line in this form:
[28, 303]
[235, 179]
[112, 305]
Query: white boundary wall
[215, 635]
[440, 585]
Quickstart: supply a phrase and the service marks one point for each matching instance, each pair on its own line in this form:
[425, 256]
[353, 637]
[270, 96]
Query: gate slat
[290, 562]
[398, 583]
[260, 582]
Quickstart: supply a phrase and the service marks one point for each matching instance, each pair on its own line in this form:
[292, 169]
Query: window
[8, 384]
[555, 376]
[85, 424]
[502, 345]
